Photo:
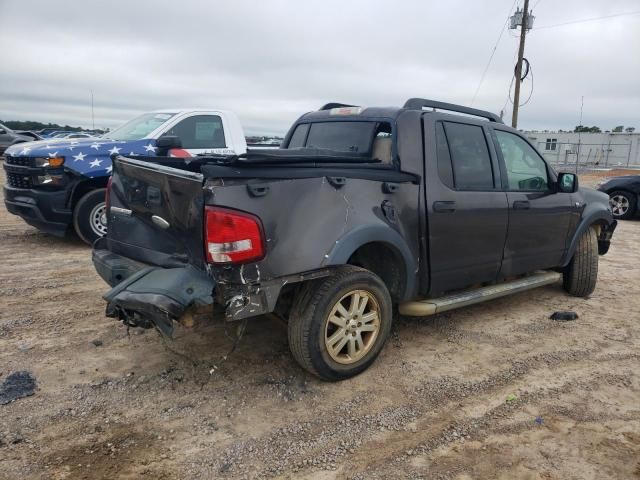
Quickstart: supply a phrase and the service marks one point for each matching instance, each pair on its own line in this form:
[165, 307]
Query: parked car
[623, 194]
[362, 210]
[10, 137]
[59, 184]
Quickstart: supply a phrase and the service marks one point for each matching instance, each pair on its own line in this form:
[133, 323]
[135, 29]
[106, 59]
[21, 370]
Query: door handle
[444, 206]
[521, 205]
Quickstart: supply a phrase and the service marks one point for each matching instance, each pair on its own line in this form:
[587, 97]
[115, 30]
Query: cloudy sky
[272, 60]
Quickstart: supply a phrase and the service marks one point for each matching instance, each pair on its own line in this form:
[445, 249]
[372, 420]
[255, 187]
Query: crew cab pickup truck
[56, 185]
[360, 211]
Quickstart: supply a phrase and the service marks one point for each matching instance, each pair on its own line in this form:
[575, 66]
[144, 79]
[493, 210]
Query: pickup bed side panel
[313, 222]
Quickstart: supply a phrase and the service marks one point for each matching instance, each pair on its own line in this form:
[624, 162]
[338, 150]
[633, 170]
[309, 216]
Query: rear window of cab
[352, 137]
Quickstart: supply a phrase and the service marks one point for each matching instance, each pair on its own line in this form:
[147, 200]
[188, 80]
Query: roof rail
[420, 103]
[331, 105]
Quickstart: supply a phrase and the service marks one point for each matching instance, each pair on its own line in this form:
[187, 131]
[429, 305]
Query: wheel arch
[383, 251]
[85, 186]
[600, 217]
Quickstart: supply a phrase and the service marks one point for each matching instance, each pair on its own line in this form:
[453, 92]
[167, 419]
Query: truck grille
[17, 180]
[23, 161]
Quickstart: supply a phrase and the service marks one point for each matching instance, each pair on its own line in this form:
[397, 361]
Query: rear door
[466, 209]
[539, 215]
[156, 213]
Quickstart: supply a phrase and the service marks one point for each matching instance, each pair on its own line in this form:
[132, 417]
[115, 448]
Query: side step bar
[431, 306]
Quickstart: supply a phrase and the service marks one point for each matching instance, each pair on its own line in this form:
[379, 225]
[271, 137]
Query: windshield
[6, 129]
[139, 127]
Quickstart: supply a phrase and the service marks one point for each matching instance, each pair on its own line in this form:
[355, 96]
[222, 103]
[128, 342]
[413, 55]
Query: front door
[539, 215]
[466, 207]
[200, 134]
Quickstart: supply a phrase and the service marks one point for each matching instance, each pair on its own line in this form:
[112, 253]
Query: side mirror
[166, 143]
[2, 131]
[567, 182]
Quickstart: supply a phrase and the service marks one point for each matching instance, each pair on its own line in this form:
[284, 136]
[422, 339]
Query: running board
[431, 306]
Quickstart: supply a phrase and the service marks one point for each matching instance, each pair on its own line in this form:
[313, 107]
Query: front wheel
[623, 205]
[90, 216]
[339, 324]
[581, 275]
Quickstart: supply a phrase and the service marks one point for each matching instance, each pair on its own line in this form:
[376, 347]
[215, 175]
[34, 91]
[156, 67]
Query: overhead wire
[495, 47]
[587, 20]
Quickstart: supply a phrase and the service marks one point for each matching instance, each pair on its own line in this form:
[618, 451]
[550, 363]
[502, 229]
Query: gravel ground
[496, 390]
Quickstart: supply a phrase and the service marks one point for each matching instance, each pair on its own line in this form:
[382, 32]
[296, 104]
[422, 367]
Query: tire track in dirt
[319, 444]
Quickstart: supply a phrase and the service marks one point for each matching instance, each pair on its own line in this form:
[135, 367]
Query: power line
[486, 68]
[588, 20]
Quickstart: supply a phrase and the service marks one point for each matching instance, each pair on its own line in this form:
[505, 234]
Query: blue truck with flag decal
[58, 186]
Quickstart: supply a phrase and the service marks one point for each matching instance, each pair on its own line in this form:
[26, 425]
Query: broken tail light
[232, 236]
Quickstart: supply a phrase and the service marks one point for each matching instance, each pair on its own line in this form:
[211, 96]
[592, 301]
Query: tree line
[618, 129]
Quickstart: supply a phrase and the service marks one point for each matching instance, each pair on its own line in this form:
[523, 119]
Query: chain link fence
[585, 156]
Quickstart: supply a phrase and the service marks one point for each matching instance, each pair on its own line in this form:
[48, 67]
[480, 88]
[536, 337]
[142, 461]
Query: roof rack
[331, 105]
[420, 103]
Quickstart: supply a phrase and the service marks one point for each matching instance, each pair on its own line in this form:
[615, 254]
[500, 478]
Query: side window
[299, 136]
[470, 158]
[199, 132]
[525, 169]
[445, 172]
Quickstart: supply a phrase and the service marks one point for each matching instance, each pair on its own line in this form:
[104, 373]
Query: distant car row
[10, 137]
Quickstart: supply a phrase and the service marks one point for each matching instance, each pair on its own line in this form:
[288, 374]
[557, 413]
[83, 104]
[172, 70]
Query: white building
[588, 149]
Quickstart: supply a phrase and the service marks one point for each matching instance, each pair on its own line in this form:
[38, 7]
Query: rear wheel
[623, 204]
[90, 216]
[339, 324]
[581, 275]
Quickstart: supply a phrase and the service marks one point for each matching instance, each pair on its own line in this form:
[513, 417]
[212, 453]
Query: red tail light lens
[232, 236]
[106, 194]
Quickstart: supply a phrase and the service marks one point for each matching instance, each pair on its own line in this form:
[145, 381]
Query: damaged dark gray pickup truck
[361, 211]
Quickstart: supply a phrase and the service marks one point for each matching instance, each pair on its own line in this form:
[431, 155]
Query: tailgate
[155, 213]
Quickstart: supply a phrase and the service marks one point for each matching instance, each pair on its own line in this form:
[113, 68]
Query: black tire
[309, 325]
[623, 204]
[85, 221]
[581, 275]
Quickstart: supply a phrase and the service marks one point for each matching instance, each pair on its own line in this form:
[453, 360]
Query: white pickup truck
[57, 185]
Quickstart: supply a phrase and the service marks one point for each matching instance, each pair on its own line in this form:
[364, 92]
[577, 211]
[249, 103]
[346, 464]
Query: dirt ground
[491, 391]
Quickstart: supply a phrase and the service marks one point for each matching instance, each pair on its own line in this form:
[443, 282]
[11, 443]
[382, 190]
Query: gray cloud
[272, 60]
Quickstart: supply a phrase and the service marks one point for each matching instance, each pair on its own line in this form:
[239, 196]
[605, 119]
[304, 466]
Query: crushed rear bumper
[146, 295]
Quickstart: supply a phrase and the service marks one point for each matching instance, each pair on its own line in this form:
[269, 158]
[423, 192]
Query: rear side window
[470, 158]
[299, 136]
[444, 159]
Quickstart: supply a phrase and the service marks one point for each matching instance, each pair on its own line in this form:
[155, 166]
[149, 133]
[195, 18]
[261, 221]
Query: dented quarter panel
[309, 223]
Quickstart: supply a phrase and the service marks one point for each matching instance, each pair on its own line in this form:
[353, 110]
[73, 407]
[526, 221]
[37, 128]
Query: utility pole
[524, 20]
[93, 121]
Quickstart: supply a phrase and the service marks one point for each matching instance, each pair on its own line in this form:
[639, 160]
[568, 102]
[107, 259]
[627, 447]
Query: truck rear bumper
[145, 295]
[44, 210]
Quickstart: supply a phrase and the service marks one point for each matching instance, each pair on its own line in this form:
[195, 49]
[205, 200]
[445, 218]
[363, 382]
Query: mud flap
[604, 240]
[160, 296]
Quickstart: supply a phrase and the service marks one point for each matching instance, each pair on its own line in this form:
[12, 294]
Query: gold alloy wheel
[352, 327]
